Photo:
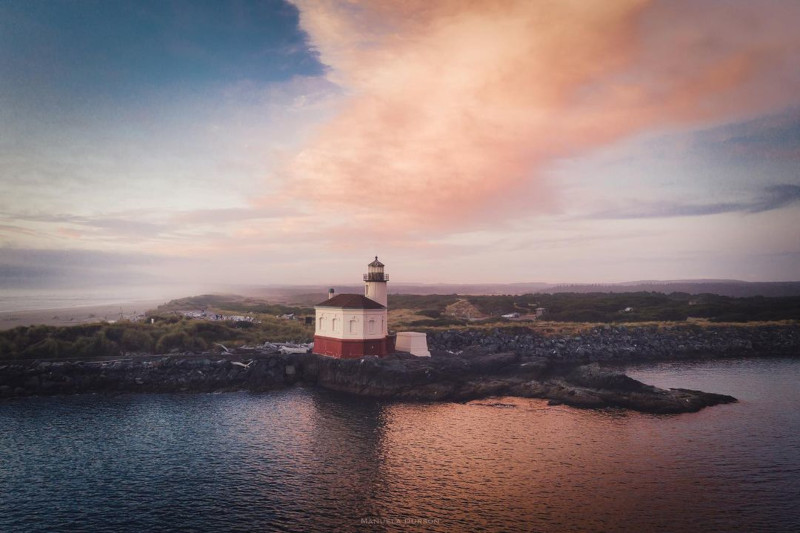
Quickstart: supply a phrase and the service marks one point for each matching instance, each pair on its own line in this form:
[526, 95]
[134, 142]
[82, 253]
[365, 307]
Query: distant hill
[731, 288]
[311, 294]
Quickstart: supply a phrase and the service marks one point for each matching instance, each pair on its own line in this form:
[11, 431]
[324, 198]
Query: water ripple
[306, 460]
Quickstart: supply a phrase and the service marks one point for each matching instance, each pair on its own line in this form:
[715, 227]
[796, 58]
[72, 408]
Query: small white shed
[412, 342]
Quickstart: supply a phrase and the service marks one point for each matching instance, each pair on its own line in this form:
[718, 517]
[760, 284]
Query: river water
[309, 460]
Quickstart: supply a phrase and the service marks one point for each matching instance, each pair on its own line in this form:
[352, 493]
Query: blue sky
[125, 50]
[274, 142]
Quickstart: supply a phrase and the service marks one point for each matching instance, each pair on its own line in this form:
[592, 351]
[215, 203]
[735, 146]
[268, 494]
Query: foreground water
[307, 460]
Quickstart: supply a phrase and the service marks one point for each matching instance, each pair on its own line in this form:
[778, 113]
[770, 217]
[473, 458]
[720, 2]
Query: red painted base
[353, 349]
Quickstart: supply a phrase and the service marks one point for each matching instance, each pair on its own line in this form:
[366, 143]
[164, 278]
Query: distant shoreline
[76, 315]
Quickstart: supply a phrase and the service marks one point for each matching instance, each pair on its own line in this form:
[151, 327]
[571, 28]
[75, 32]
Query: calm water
[305, 460]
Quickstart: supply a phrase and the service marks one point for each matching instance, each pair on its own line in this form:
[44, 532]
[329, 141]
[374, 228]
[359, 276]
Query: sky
[269, 142]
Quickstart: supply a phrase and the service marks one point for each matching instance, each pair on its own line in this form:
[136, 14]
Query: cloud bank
[563, 140]
[455, 109]
[772, 198]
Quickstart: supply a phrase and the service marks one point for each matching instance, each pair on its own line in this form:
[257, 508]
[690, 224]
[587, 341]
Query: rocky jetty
[479, 373]
[473, 374]
[622, 344]
[465, 365]
[175, 373]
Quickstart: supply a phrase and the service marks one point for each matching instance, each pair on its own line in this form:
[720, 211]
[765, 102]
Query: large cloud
[456, 107]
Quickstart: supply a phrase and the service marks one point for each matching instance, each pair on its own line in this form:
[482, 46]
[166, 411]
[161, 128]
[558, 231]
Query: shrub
[136, 340]
[47, 348]
[442, 321]
[97, 345]
[171, 341]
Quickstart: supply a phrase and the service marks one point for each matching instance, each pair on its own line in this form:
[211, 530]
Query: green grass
[643, 307]
[166, 333]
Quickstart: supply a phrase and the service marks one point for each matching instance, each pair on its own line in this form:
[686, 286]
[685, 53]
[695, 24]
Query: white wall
[351, 323]
[376, 291]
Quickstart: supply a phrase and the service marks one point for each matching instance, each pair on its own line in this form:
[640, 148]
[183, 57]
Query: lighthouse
[375, 282]
[350, 326]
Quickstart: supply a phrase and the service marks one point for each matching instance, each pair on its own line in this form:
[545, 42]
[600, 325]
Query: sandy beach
[70, 316]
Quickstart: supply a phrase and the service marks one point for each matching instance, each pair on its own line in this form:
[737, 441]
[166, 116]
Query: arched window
[371, 326]
[333, 324]
[321, 323]
[352, 325]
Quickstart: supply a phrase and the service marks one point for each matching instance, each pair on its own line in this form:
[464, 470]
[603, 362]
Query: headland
[579, 370]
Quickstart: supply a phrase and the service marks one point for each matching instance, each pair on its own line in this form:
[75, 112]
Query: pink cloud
[455, 107]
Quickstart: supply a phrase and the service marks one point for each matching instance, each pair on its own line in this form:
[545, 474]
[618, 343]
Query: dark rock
[625, 344]
[594, 377]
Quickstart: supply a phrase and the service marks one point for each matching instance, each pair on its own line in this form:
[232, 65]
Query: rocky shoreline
[473, 374]
[465, 365]
[623, 344]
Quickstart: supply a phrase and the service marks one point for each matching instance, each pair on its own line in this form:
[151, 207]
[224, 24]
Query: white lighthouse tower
[375, 283]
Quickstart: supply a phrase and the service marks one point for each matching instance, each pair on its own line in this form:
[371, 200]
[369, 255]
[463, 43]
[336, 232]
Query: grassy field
[161, 330]
[573, 312]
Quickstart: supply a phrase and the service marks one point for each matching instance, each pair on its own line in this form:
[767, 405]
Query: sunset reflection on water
[309, 460]
[519, 464]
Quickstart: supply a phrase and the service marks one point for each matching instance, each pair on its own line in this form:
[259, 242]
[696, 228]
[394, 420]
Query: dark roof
[376, 263]
[350, 301]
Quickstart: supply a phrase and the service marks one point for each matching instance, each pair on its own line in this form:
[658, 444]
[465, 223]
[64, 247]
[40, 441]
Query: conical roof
[376, 263]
